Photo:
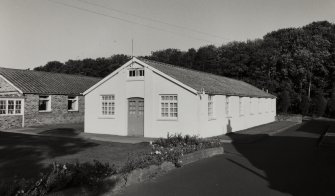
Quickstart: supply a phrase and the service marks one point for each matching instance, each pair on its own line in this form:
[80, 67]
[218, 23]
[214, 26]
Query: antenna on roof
[132, 48]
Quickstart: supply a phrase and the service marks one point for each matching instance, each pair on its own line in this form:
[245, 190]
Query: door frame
[127, 114]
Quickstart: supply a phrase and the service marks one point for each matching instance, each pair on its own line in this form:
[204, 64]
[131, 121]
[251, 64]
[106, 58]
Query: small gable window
[136, 73]
[44, 104]
[72, 103]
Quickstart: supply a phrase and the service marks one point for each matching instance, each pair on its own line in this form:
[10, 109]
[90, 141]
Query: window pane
[43, 105]
[18, 107]
[2, 106]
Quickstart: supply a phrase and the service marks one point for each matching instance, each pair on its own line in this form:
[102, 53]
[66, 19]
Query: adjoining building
[29, 98]
[151, 99]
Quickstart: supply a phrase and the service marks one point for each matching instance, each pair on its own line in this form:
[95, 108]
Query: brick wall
[58, 114]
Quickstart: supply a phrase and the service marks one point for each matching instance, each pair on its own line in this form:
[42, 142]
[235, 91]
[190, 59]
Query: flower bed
[138, 166]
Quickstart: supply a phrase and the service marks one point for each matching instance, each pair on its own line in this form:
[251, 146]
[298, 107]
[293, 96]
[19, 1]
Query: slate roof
[38, 82]
[210, 83]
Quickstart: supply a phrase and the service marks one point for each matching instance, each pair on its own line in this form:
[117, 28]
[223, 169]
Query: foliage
[169, 149]
[284, 101]
[319, 104]
[302, 58]
[60, 176]
[304, 105]
[99, 67]
[331, 106]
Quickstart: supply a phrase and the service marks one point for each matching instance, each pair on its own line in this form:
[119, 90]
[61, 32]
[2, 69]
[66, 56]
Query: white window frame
[138, 73]
[15, 106]
[211, 107]
[167, 107]
[48, 98]
[109, 105]
[76, 107]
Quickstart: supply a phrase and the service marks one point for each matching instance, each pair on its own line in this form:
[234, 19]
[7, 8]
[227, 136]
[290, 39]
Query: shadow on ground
[291, 162]
[61, 131]
[23, 155]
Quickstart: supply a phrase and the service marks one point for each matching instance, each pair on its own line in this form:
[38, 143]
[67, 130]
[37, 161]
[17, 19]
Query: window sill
[46, 111]
[135, 79]
[73, 110]
[11, 114]
[167, 119]
[106, 117]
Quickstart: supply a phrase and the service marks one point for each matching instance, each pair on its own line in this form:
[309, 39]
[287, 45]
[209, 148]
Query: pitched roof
[210, 83]
[38, 82]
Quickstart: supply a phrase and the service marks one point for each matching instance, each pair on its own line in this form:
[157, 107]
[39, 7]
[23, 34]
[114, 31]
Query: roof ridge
[55, 73]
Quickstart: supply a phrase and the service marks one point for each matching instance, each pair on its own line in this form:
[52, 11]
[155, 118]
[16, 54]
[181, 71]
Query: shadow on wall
[291, 161]
[229, 128]
[26, 155]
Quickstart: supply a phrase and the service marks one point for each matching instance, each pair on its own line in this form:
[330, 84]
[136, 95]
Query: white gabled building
[151, 99]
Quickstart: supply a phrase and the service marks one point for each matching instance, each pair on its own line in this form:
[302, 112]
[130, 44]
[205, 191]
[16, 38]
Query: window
[108, 105]
[3, 107]
[227, 107]
[210, 106]
[136, 73]
[10, 107]
[169, 106]
[44, 104]
[72, 103]
[18, 107]
[241, 106]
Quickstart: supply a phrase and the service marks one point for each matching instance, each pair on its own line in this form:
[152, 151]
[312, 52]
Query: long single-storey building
[151, 99]
[29, 98]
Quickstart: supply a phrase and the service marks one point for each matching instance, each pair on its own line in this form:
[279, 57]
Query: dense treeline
[295, 64]
[99, 67]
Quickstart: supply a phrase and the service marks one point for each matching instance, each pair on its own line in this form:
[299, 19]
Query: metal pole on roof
[132, 48]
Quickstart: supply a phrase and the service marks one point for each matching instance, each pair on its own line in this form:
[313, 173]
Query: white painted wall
[150, 89]
[192, 108]
[264, 113]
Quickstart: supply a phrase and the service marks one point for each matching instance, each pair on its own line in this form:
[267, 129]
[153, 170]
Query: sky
[34, 32]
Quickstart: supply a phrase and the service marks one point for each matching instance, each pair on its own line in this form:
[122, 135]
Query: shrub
[319, 105]
[169, 149]
[305, 105]
[61, 176]
[285, 101]
[331, 106]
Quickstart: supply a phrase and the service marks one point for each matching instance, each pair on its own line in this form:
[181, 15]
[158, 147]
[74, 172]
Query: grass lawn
[26, 155]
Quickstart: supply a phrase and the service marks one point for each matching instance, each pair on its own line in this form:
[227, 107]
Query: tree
[284, 101]
[331, 105]
[304, 105]
[319, 104]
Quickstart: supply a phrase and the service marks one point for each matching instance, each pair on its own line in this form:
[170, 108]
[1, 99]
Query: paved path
[75, 131]
[289, 163]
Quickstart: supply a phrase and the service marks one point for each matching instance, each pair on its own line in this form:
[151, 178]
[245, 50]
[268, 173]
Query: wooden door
[136, 116]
